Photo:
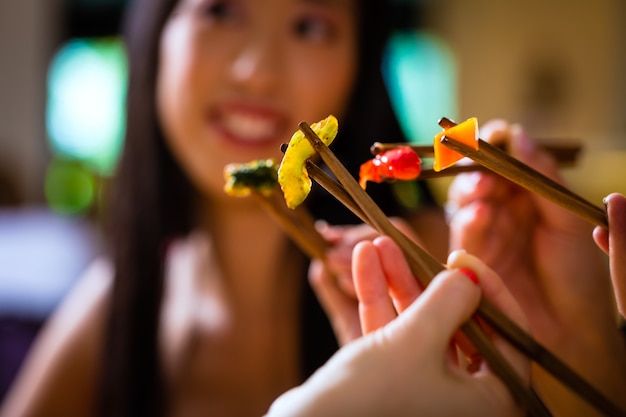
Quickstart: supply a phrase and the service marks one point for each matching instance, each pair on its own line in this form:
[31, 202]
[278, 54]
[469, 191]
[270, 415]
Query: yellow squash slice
[292, 174]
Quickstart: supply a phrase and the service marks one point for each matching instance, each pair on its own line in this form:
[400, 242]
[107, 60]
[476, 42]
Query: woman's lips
[249, 125]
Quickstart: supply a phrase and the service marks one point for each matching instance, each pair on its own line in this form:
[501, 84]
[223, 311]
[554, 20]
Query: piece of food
[259, 175]
[401, 163]
[466, 132]
[292, 174]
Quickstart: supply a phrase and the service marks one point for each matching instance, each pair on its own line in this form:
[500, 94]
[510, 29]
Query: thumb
[431, 321]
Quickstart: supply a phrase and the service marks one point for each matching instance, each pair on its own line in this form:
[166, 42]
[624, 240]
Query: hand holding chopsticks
[514, 170]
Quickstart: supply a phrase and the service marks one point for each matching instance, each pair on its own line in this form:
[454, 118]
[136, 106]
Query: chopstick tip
[446, 123]
[376, 148]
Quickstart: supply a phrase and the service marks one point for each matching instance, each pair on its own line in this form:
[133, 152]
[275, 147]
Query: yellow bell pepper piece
[292, 174]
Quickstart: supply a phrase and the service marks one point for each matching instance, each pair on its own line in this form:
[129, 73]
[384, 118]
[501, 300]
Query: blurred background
[556, 67]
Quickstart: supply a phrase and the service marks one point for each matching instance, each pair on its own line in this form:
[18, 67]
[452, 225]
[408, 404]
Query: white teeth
[249, 128]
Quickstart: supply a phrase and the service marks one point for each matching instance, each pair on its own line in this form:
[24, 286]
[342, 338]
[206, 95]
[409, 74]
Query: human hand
[405, 366]
[386, 287]
[613, 243]
[544, 255]
[331, 278]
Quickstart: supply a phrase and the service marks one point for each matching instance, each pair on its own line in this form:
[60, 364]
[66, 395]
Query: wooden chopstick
[516, 171]
[429, 173]
[424, 267]
[298, 224]
[564, 154]
[421, 150]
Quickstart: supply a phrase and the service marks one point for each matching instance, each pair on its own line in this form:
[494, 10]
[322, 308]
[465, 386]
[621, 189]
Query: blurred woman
[202, 306]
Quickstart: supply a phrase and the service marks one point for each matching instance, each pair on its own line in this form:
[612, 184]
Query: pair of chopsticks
[564, 155]
[298, 224]
[498, 161]
[424, 266]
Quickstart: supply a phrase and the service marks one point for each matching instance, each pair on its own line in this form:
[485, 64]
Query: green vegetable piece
[260, 175]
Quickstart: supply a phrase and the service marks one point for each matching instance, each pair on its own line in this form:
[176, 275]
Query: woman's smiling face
[237, 76]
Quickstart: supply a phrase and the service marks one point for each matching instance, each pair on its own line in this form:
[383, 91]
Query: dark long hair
[151, 203]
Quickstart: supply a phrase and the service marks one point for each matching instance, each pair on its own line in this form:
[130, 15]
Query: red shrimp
[401, 163]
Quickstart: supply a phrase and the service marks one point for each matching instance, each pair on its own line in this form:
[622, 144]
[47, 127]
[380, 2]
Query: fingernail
[605, 201]
[321, 225]
[470, 274]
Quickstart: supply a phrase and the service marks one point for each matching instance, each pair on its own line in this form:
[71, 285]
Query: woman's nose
[257, 65]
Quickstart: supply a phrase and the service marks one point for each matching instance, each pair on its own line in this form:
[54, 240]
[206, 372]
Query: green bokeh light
[421, 77]
[70, 187]
[85, 115]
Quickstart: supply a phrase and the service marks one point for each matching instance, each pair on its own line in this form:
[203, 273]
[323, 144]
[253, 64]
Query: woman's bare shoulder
[60, 372]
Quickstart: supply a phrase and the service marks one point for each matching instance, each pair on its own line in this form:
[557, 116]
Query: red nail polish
[470, 274]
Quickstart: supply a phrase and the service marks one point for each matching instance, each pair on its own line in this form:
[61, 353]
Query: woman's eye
[313, 29]
[220, 10]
